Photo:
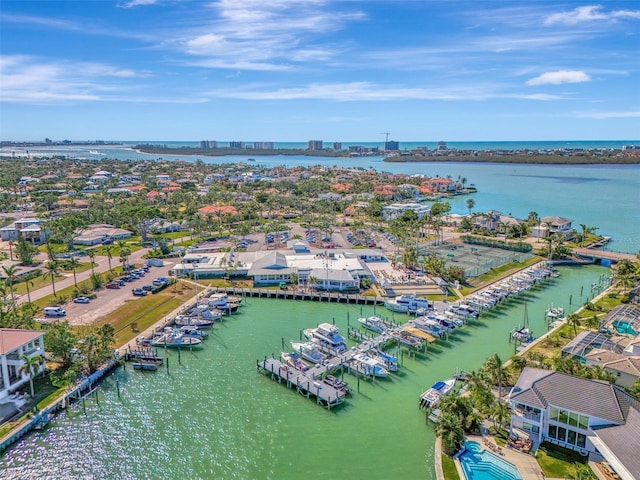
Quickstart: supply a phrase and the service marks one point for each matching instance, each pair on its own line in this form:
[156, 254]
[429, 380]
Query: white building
[13, 344]
[339, 270]
[395, 210]
[28, 228]
[591, 416]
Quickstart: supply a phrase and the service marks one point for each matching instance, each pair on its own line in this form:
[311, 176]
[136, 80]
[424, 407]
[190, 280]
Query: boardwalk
[331, 297]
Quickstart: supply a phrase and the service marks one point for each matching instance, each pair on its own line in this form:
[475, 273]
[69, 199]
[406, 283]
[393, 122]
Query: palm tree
[10, 274]
[92, 255]
[500, 414]
[28, 282]
[73, 263]
[575, 321]
[495, 369]
[470, 204]
[108, 250]
[124, 256]
[30, 366]
[52, 271]
[585, 231]
[451, 432]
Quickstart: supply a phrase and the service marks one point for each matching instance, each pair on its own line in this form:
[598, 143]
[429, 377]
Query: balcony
[527, 414]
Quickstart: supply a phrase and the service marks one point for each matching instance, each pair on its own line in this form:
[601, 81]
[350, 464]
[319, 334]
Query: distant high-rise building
[264, 145]
[391, 146]
[236, 144]
[315, 145]
[337, 146]
[208, 144]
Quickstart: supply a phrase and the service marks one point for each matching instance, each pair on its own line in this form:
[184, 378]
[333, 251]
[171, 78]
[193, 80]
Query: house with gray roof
[579, 414]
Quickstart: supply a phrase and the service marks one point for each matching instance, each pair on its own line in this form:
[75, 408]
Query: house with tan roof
[218, 210]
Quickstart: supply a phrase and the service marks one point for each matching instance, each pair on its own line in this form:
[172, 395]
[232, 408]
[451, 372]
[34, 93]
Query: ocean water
[603, 196]
[212, 416]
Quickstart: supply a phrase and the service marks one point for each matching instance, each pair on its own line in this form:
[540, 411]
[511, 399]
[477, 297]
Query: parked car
[113, 285]
[139, 292]
[148, 288]
[81, 300]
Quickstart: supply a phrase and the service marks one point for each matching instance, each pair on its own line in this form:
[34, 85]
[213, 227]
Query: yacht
[407, 303]
[327, 334]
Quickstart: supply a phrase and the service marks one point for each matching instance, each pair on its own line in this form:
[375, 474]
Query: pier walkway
[309, 383]
[335, 297]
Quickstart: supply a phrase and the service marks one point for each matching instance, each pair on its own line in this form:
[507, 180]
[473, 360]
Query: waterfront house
[558, 225]
[13, 344]
[593, 417]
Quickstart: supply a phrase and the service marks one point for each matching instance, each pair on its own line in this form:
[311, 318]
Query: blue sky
[293, 70]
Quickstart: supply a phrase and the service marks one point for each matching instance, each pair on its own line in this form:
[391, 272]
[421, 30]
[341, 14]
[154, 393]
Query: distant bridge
[599, 255]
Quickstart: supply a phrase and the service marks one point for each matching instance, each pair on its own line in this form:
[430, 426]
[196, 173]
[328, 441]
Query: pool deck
[525, 463]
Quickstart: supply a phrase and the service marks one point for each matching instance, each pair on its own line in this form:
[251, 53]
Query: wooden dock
[329, 297]
[305, 383]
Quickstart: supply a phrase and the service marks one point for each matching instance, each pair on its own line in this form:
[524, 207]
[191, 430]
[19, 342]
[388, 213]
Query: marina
[233, 391]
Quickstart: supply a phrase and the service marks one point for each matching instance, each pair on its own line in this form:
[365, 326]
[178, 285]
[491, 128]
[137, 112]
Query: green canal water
[212, 416]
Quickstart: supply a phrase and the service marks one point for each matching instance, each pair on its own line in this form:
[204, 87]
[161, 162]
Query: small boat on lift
[431, 397]
[145, 366]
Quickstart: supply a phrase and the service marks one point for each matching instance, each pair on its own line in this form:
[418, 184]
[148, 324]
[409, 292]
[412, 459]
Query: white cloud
[368, 91]
[265, 35]
[138, 3]
[589, 13]
[27, 79]
[559, 77]
[607, 115]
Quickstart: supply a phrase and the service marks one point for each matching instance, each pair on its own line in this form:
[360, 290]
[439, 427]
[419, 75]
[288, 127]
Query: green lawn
[449, 468]
[557, 462]
[497, 273]
[135, 316]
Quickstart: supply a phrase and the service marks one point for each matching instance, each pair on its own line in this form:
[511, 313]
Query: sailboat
[523, 333]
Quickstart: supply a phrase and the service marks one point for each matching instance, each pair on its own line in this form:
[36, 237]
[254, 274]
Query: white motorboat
[363, 363]
[327, 334]
[375, 324]
[431, 397]
[294, 359]
[309, 351]
[407, 303]
[554, 312]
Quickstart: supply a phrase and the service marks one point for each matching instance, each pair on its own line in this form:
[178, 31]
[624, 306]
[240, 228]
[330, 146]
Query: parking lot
[109, 300]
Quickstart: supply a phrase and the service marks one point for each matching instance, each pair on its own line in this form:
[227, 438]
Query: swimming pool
[624, 327]
[480, 464]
